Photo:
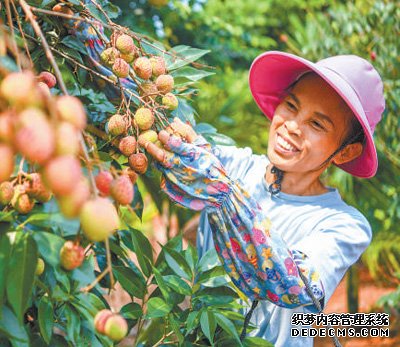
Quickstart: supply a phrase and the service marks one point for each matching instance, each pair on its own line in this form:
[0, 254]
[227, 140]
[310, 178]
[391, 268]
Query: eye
[290, 105]
[317, 125]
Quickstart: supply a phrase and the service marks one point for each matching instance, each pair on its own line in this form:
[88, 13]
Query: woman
[276, 227]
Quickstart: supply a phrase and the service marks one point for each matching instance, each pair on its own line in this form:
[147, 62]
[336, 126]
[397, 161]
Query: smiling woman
[284, 238]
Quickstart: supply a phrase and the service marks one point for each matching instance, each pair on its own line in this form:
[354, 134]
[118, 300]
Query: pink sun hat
[352, 77]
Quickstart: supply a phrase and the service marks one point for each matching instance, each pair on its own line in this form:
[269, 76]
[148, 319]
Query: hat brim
[273, 72]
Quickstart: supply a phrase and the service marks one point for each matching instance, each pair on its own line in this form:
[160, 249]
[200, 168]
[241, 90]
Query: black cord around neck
[275, 187]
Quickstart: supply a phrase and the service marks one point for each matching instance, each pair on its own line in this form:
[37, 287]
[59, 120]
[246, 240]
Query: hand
[192, 175]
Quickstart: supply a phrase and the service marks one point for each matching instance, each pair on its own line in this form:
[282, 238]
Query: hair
[354, 135]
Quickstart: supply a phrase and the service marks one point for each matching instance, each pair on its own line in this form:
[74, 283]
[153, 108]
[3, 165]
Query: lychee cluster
[110, 324]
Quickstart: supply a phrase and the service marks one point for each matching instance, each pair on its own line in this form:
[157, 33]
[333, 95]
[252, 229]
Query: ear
[350, 152]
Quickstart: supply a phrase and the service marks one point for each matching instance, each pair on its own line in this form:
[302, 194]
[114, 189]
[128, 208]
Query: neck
[298, 183]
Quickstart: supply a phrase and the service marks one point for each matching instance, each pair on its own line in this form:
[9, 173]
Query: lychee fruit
[138, 162]
[142, 67]
[117, 125]
[19, 89]
[131, 174]
[71, 255]
[149, 135]
[21, 201]
[144, 118]
[99, 219]
[39, 267]
[129, 57]
[127, 145]
[103, 182]
[100, 320]
[109, 55]
[6, 192]
[165, 83]
[124, 44]
[6, 127]
[158, 66]
[122, 190]
[148, 91]
[71, 110]
[120, 68]
[116, 327]
[36, 141]
[36, 188]
[67, 139]
[170, 101]
[44, 90]
[62, 173]
[71, 204]
[48, 78]
[7, 162]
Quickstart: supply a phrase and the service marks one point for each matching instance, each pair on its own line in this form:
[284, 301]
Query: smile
[284, 145]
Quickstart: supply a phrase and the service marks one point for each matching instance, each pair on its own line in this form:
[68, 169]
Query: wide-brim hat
[352, 77]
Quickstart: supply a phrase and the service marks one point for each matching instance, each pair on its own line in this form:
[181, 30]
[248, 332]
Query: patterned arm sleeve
[256, 258]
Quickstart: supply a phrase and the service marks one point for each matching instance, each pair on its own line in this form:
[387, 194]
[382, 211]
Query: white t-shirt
[330, 232]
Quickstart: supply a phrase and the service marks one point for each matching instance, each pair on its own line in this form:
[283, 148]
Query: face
[308, 126]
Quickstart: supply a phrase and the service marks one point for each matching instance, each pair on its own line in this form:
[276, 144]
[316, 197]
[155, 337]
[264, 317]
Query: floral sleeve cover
[257, 259]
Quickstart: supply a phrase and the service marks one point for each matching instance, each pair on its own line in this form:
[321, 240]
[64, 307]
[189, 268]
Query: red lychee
[158, 66]
[48, 78]
[36, 189]
[71, 110]
[144, 118]
[131, 174]
[117, 125]
[122, 190]
[103, 182]
[116, 327]
[21, 201]
[71, 204]
[165, 83]
[7, 162]
[120, 68]
[6, 126]
[67, 139]
[71, 255]
[99, 219]
[100, 320]
[142, 67]
[127, 145]
[6, 192]
[138, 162]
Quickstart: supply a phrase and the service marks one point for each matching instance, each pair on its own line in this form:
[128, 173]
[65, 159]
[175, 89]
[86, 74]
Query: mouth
[284, 145]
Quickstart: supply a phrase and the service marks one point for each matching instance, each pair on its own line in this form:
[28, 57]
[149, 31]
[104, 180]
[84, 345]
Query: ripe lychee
[71, 204]
[62, 173]
[109, 55]
[116, 327]
[165, 83]
[127, 145]
[124, 44]
[36, 140]
[158, 66]
[100, 320]
[170, 101]
[148, 91]
[44, 90]
[6, 126]
[67, 139]
[149, 135]
[7, 162]
[21, 201]
[48, 78]
[39, 267]
[99, 219]
[103, 182]
[144, 118]
[142, 67]
[71, 110]
[71, 255]
[131, 174]
[120, 68]
[129, 57]
[122, 190]
[6, 192]
[117, 125]
[138, 162]
[36, 188]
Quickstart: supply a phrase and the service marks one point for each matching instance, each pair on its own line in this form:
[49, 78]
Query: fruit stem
[109, 263]
[11, 26]
[97, 280]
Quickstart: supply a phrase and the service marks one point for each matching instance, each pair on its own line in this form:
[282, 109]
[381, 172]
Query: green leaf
[192, 321]
[11, 328]
[175, 325]
[214, 272]
[191, 256]
[20, 281]
[130, 281]
[177, 284]
[177, 263]
[157, 307]
[137, 203]
[162, 285]
[73, 323]
[143, 250]
[208, 325]
[84, 274]
[227, 325]
[202, 128]
[256, 342]
[219, 139]
[216, 296]
[184, 112]
[132, 311]
[208, 261]
[183, 55]
[45, 315]
[49, 246]
[191, 73]
[74, 43]
[5, 251]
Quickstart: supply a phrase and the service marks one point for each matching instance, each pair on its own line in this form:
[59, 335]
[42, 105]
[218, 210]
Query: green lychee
[148, 135]
[100, 320]
[109, 55]
[144, 118]
[117, 125]
[148, 91]
[170, 101]
[116, 327]
[124, 44]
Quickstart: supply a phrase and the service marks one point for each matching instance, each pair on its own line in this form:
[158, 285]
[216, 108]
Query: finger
[185, 130]
[157, 153]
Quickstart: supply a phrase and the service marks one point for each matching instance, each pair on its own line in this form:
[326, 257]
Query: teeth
[286, 145]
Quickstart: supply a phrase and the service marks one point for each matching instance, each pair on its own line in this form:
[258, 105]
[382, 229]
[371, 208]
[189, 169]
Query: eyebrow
[319, 114]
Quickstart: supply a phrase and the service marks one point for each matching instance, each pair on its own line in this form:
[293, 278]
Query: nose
[292, 127]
